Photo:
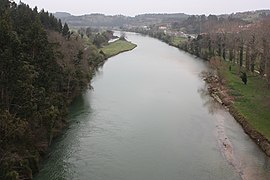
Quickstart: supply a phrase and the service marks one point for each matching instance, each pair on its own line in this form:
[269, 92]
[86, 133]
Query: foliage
[244, 77]
[42, 68]
[65, 31]
[177, 41]
[217, 64]
[100, 39]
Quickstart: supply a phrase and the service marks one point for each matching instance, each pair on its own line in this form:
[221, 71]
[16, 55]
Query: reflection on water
[208, 102]
[149, 118]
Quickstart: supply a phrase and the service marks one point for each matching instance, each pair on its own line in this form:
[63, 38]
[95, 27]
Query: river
[149, 118]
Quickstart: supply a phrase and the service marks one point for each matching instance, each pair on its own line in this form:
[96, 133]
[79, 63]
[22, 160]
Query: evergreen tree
[65, 31]
[60, 27]
[37, 82]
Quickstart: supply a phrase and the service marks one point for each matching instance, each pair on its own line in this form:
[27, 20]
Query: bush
[219, 66]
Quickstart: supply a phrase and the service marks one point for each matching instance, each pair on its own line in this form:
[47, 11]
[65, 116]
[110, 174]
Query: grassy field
[117, 47]
[176, 40]
[252, 100]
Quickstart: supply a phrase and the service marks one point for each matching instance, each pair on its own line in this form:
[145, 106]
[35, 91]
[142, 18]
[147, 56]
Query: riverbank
[246, 103]
[118, 123]
[25, 139]
[117, 47]
[110, 50]
[249, 104]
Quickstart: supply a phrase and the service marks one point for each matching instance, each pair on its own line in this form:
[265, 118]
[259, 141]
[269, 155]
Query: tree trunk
[224, 54]
[252, 61]
[264, 57]
[231, 55]
[241, 54]
[68, 86]
[247, 62]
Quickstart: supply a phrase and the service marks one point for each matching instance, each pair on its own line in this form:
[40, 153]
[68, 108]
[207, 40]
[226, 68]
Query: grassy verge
[117, 47]
[251, 100]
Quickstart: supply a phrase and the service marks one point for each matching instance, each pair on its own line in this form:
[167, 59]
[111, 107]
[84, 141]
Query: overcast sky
[134, 7]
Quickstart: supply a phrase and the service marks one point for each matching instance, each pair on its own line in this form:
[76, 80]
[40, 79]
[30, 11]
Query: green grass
[117, 47]
[177, 40]
[252, 100]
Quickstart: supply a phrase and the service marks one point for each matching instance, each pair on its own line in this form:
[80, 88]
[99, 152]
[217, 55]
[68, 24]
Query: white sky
[135, 7]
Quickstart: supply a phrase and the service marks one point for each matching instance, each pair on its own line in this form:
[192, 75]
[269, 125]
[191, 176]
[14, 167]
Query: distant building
[145, 27]
[162, 27]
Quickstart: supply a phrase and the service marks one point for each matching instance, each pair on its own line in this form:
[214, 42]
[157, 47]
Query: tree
[219, 44]
[241, 53]
[244, 77]
[224, 46]
[60, 26]
[265, 56]
[253, 52]
[247, 62]
[88, 32]
[38, 79]
[122, 36]
[65, 31]
[265, 45]
[9, 55]
[99, 39]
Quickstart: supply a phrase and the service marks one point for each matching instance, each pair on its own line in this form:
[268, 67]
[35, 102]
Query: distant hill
[252, 15]
[147, 19]
[101, 20]
[94, 20]
[62, 14]
[116, 21]
[249, 16]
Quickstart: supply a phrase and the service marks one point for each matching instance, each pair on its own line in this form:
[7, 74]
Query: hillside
[192, 24]
[250, 16]
[43, 68]
[101, 20]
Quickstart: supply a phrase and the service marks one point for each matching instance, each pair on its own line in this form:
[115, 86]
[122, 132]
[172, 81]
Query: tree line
[247, 46]
[236, 41]
[43, 67]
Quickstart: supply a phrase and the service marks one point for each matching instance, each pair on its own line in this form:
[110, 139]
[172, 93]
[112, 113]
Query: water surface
[148, 118]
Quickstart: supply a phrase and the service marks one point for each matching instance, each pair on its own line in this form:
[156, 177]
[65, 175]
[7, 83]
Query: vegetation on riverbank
[243, 48]
[251, 100]
[244, 51]
[177, 41]
[43, 67]
[248, 106]
[116, 47]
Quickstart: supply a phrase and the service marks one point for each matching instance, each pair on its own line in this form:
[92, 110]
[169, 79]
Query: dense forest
[43, 67]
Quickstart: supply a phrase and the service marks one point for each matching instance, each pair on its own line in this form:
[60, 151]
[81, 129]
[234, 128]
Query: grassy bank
[177, 40]
[251, 100]
[117, 47]
[249, 104]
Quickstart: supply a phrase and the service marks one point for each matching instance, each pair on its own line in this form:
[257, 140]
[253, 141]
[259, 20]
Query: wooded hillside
[43, 66]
